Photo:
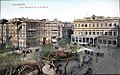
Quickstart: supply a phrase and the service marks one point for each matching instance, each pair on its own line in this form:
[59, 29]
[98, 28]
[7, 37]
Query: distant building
[118, 38]
[55, 30]
[67, 30]
[29, 32]
[96, 30]
[4, 32]
[26, 32]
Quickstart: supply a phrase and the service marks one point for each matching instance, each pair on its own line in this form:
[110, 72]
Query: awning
[82, 49]
[83, 43]
[54, 40]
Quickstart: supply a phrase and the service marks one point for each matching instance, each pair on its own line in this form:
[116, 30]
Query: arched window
[115, 24]
[110, 25]
[82, 25]
[89, 33]
[85, 25]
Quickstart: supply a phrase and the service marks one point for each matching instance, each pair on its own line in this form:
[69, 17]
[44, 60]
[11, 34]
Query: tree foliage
[63, 43]
[8, 59]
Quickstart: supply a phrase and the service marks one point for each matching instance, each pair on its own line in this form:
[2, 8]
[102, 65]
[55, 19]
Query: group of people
[88, 71]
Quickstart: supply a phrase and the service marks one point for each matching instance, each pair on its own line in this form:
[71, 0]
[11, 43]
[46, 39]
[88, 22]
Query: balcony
[32, 29]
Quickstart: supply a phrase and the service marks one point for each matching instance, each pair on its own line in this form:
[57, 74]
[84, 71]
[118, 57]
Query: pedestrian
[108, 51]
[58, 67]
[96, 59]
[81, 63]
[98, 47]
[89, 71]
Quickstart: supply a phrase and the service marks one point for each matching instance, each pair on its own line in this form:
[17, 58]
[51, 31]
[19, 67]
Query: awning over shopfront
[54, 40]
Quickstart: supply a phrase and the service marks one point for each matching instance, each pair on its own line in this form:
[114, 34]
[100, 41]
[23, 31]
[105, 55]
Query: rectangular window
[85, 33]
[101, 33]
[97, 24]
[114, 33]
[93, 25]
[105, 24]
[97, 33]
[93, 33]
[75, 25]
[81, 33]
[101, 25]
[89, 25]
[78, 25]
[105, 33]
[89, 33]
[79, 40]
[110, 33]
[104, 41]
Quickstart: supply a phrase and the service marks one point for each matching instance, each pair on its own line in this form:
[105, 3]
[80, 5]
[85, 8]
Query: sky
[63, 10]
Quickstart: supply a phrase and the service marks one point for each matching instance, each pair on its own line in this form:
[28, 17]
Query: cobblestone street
[109, 64]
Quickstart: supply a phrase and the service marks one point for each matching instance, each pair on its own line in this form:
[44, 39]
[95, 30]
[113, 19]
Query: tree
[63, 43]
[9, 62]
[70, 50]
[47, 53]
[70, 32]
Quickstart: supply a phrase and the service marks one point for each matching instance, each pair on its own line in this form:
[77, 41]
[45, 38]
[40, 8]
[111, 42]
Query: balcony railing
[32, 29]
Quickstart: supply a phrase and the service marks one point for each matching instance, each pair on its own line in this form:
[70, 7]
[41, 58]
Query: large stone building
[54, 30]
[30, 34]
[3, 32]
[26, 32]
[96, 30]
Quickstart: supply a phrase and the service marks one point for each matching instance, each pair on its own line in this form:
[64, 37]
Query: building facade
[26, 32]
[96, 30]
[67, 30]
[55, 30]
[4, 33]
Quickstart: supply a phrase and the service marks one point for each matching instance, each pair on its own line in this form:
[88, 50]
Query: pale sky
[64, 10]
